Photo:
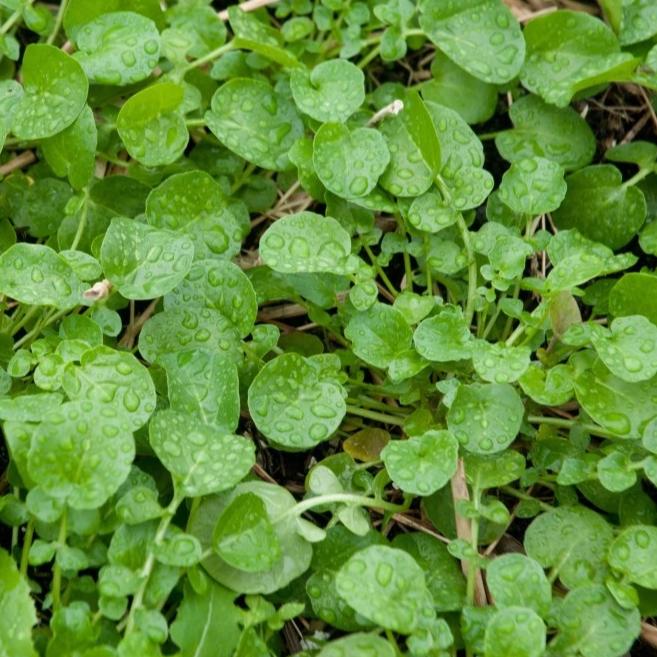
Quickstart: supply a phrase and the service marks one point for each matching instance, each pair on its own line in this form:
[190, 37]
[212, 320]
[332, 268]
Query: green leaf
[481, 36]
[307, 242]
[143, 262]
[549, 387]
[72, 152]
[498, 363]
[113, 378]
[486, 471]
[251, 119]
[55, 93]
[517, 631]
[601, 207]
[294, 404]
[638, 22]
[570, 51]
[422, 464]
[186, 329]
[379, 335]
[559, 134]
[444, 337]
[151, 124]
[36, 275]
[194, 204]
[517, 580]
[296, 552]
[455, 88]
[635, 294]
[591, 623]
[206, 29]
[485, 418]
[201, 458]
[11, 93]
[628, 348]
[81, 453]
[18, 613]
[533, 186]
[574, 541]
[118, 48]
[331, 92]
[422, 130]
[220, 285]
[81, 12]
[387, 586]
[244, 536]
[619, 406]
[207, 623]
[29, 408]
[443, 574]
[407, 173]
[633, 554]
[349, 162]
[641, 153]
[358, 645]
[430, 213]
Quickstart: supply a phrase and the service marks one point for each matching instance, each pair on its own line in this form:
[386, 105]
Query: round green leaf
[559, 134]
[600, 207]
[431, 213]
[568, 51]
[10, 94]
[517, 580]
[572, 539]
[201, 458]
[81, 453]
[81, 12]
[407, 174]
[151, 124]
[331, 92]
[254, 121]
[379, 335]
[533, 186]
[486, 471]
[619, 406]
[551, 387]
[515, 632]
[193, 203]
[118, 48]
[591, 623]
[55, 93]
[296, 552]
[628, 348]
[498, 363]
[635, 294]
[36, 275]
[444, 337]
[220, 285]
[422, 464]
[115, 378]
[307, 242]
[485, 418]
[634, 553]
[470, 187]
[186, 329]
[143, 262]
[349, 162]
[387, 586]
[358, 645]
[638, 22]
[294, 403]
[455, 88]
[481, 36]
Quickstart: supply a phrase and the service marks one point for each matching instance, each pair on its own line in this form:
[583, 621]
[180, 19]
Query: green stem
[369, 57]
[490, 135]
[472, 270]
[379, 270]
[27, 543]
[58, 21]
[31, 335]
[217, 52]
[149, 562]
[372, 403]
[519, 330]
[25, 319]
[473, 566]
[374, 415]
[82, 224]
[427, 266]
[567, 424]
[10, 22]
[638, 177]
[195, 123]
[242, 178]
[527, 498]
[57, 570]
[336, 498]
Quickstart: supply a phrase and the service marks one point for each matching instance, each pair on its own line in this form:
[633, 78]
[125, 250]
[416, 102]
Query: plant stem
[567, 424]
[82, 224]
[25, 319]
[638, 177]
[369, 57]
[58, 22]
[57, 570]
[427, 266]
[50, 319]
[473, 567]
[489, 135]
[374, 415]
[10, 22]
[27, 543]
[217, 52]
[380, 272]
[528, 498]
[472, 270]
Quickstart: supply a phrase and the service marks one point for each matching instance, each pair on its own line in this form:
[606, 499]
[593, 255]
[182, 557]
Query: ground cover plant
[329, 328]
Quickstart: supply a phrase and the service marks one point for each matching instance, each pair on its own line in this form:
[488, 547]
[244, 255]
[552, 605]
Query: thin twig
[249, 5]
[131, 332]
[24, 159]
[649, 633]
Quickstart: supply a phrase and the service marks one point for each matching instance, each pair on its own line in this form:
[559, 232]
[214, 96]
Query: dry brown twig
[24, 159]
